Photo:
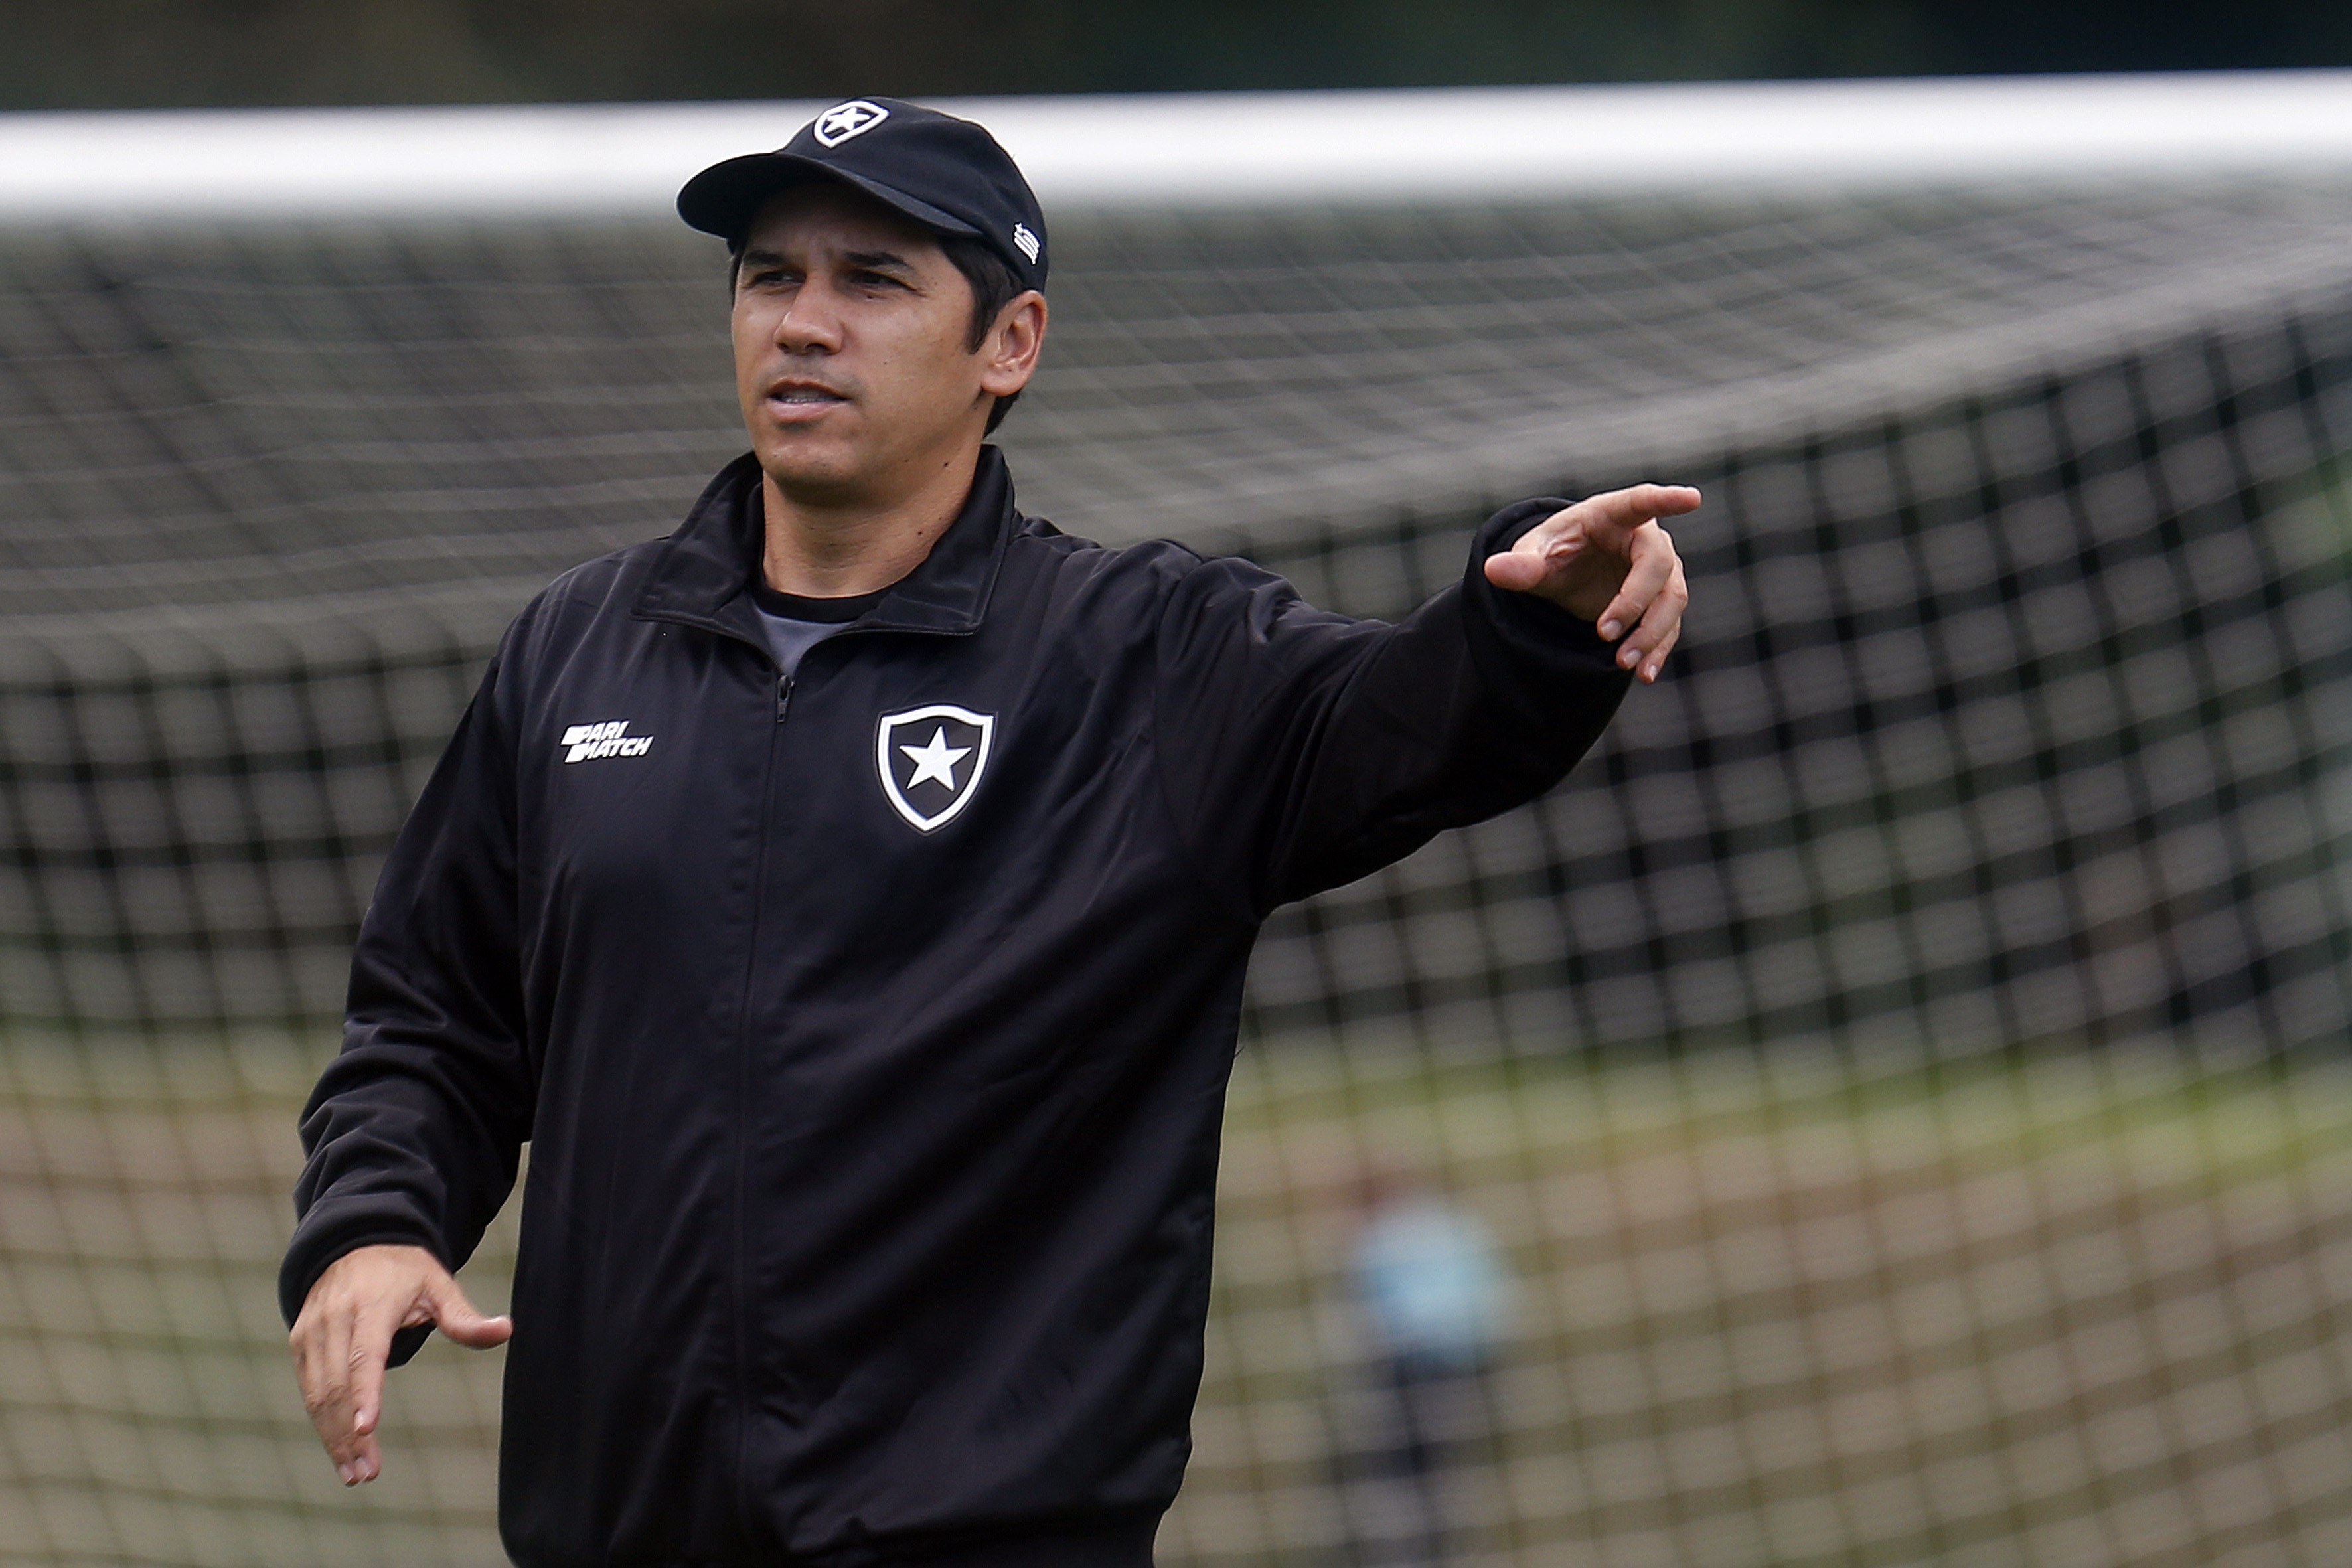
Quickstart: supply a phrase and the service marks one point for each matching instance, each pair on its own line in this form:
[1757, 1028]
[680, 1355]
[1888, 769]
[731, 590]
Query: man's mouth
[803, 395]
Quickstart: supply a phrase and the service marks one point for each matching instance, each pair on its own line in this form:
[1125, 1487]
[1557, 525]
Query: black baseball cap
[945, 173]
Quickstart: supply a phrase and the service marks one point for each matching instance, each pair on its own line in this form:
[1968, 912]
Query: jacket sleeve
[416, 1128]
[1302, 750]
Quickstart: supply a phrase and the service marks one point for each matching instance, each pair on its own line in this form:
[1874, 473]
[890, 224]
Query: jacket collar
[701, 575]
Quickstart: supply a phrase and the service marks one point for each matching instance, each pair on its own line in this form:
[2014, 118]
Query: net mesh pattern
[213, 418]
[1885, 1107]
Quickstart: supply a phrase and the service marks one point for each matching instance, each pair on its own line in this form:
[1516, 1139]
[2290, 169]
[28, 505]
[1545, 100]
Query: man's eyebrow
[878, 260]
[751, 258]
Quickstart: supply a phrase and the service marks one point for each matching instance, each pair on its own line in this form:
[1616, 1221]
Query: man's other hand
[1607, 559]
[344, 1335]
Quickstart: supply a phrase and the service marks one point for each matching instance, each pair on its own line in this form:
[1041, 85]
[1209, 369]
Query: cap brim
[725, 197]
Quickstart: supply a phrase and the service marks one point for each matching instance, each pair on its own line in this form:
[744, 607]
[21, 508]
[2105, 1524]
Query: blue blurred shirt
[1433, 1278]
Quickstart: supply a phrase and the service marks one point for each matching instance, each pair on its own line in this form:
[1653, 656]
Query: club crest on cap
[844, 120]
[1025, 240]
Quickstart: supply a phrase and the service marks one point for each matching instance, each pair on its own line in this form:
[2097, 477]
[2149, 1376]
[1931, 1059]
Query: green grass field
[2059, 1311]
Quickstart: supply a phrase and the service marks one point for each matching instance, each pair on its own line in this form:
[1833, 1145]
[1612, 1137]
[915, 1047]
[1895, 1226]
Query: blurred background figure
[1434, 1298]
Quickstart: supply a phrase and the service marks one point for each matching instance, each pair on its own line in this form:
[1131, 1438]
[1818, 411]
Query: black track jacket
[873, 1065]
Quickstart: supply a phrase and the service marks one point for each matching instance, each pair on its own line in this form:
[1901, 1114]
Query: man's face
[850, 328]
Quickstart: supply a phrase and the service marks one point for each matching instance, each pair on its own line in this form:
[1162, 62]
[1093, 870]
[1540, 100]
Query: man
[1434, 1294]
[848, 899]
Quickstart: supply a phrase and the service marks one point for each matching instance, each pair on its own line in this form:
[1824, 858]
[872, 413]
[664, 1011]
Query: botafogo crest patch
[930, 760]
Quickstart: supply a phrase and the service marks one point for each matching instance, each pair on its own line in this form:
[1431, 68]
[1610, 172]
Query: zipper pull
[783, 696]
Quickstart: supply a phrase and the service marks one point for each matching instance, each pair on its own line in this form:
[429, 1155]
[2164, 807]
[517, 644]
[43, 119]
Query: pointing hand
[1606, 559]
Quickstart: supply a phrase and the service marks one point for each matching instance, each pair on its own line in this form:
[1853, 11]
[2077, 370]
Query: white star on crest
[936, 760]
[844, 120]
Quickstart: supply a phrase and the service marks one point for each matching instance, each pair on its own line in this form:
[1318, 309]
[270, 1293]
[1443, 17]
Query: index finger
[344, 1372]
[1630, 508]
[370, 1351]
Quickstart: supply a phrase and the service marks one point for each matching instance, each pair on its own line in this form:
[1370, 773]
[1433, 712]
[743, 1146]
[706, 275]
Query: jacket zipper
[743, 1510]
[784, 701]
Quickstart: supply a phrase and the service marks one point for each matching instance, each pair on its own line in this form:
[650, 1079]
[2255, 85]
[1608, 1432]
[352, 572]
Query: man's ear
[1009, 353]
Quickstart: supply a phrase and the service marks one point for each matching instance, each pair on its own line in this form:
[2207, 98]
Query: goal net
[1887, 1105]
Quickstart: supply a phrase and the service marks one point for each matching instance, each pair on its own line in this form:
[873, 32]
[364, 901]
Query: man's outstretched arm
[1302, 749]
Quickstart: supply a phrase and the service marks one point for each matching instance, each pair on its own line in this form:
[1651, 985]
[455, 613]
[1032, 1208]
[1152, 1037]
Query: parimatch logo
[587, 743]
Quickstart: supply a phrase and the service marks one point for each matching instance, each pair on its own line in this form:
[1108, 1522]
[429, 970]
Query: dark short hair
[994, 285]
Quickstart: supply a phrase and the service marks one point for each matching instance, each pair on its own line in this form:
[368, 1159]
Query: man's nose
[810, 323]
